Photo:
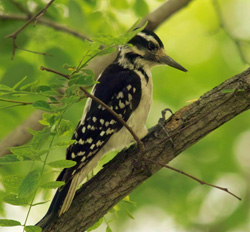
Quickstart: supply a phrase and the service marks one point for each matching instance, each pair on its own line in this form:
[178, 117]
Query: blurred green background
[213, 42]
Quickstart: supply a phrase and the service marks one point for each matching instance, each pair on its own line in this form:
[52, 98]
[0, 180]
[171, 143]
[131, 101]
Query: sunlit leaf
[32, 229]
[15, 200]
[29, 184]
[42, 105]
[19, 83]
[62, 164]
[9, 222]
[8, 159]
[12, 181]
[108, 229]
[53, 185]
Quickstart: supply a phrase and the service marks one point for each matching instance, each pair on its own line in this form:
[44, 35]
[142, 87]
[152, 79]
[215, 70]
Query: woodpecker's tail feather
[61, 201]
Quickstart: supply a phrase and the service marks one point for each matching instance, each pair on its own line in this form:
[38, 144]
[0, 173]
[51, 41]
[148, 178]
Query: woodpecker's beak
[165, 59]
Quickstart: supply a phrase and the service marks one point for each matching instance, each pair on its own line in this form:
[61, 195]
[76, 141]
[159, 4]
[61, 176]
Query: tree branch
[35, 17]
[120, 176]
[97, 66]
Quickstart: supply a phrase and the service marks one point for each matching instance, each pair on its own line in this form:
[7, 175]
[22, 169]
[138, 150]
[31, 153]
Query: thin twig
[39, 53]
[192, 177]
[87, 94]
[23, 103]
[15, 34]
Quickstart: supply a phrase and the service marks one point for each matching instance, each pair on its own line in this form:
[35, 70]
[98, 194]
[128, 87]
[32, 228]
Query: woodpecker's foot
[161, 125]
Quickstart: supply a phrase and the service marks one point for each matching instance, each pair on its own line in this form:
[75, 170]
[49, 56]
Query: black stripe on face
[142, 42]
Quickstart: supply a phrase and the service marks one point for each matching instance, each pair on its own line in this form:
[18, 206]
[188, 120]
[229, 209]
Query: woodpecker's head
[148, 50]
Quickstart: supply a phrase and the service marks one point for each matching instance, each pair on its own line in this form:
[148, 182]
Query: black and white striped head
[148, 50]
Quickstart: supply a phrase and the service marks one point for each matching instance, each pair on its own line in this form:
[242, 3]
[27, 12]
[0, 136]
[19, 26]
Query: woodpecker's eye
[151, 46]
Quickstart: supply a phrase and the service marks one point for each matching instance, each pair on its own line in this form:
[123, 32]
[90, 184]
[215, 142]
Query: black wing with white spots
[120, 89]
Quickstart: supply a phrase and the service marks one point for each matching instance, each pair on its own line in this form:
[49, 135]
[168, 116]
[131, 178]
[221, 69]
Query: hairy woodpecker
[126, 87]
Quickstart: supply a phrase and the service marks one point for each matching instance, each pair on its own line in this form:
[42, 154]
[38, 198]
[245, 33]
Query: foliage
[194, 37]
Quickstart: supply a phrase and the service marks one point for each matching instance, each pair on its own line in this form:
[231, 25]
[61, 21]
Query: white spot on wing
[101, 121]
[83, 129]
[102, 133]
[106, 123]
[99, 143]
[120, 95]
[129, 87]
[121, 105]
[112, 122]
[92, 146]
[81, 142]
[94, 119]
[130, 97]
[109, 131]
[89, 140]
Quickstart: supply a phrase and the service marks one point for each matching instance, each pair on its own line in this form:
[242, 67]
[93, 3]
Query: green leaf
[69, 67]
[29, 184]
[65, 126]
[141, 8]
[40, 203]
[62, 164]
[26, 151]
[130, 215]
[119, 4]
[8, 159]
[42, 105]
[5, 88]
[85, 78]
[96, 225]
[15, 200]
[33, 229]
[12, 181]
[43, 88]
[9, 222]
[53, 185]
[19, 83]
[64, 143]
[40, 137]
[108, 229]
[32, 85]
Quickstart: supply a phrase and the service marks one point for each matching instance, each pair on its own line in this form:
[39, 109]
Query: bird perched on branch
[126, 87]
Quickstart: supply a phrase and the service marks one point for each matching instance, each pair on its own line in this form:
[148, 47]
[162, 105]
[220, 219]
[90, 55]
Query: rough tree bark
[121, 176]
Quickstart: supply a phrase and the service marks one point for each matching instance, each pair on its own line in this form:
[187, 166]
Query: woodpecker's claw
[161, 124]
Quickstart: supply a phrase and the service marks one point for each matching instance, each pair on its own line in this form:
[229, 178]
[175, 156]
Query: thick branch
[120, 176]
[97, 66]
